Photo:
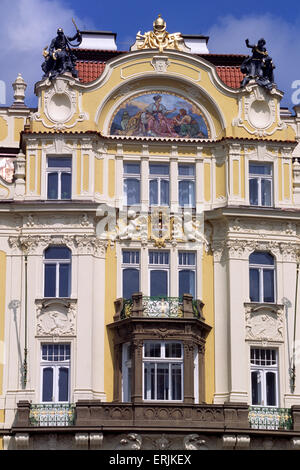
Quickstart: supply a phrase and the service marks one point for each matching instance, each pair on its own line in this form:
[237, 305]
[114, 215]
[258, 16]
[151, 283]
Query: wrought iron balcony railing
[52, 414]
[270, 418]
[159, 307]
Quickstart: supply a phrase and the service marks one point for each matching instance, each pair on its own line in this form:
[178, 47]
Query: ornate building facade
[149, 250]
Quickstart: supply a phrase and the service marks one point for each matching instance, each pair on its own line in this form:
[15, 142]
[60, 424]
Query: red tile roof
[90, 70]
[232, 76]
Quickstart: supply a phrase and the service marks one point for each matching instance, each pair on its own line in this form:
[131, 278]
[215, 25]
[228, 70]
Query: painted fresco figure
[60, 58]
[259, 66]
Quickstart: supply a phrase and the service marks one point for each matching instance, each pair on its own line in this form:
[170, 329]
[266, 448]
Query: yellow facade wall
[220, 180]
[78, 171]
[99, 176]
[86, 160]
[236, 177]
[110, 297]
[18, 127]
[111, 177]
[208, 311]
[286, 177]
[3, 129]
[242, 163]
[280, 192]
[32, 171]
[207, 192]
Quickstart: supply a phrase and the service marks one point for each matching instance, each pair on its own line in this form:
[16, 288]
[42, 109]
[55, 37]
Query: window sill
[263, 306]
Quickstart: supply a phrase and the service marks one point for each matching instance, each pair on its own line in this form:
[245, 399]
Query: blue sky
[27, 26]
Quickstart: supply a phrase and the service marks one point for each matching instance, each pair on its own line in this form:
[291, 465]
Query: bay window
[163, 370]
[59, 177]
[260, 184]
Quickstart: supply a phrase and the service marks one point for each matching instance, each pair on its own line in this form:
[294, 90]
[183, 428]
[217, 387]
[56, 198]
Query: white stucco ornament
[264, 323]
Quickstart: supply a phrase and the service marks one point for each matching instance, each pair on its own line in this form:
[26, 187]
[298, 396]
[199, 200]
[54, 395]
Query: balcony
[270, 418]
[52, 414]
[158, 307]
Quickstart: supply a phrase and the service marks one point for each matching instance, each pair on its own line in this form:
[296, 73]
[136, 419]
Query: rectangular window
[55, 370]
[163, 370]
[159, 273]
[264, 376]
[187, 273]
[159, 184]
[130, 272]
[260, 184]
[57, 272]
[126, 371]
[132, 184]
[59, 178]
[186, 185]
[262, 277]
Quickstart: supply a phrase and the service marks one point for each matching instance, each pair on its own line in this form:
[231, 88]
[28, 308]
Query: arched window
[57, 271]
[262, 277]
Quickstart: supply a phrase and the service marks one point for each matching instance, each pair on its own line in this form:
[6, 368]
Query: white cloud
[26, 27]
[283, 44]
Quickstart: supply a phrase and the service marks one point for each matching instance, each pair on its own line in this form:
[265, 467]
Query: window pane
[131, 257]
[131, 282]
[149, 381]
[57, 252]
[186, 282]
[131, 191]
[64, 280]
[63, 384]
[47, 394]
[176, 378]
[66, 183]
[153, 192]
[254, 285]
[158, 169]
[271, 389]
[261, 257]
[152, 350]
[256, 388]
[186, 193]
[253, 191]
[158, 283]
[173, 350]
[132, 168]
[164, 192]
[266, 188]
[52, 186]
[257, 169]
[59, 162]
[186, 170]
[268, 277]
[50, 280]
[162, 381]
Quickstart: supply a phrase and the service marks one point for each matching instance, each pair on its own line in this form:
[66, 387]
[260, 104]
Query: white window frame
[259, 179]
[188, 267]
[261, 268]
[187, 178]
[57, 262]
[163, 360]
[55, 365]
[159, 178]
[131, 265]
[59, 171]
[159, 267]
[263, 370]
[134, 176]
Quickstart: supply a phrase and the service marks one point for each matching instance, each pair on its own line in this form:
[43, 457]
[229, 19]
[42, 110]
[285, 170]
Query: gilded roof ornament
[159, 38]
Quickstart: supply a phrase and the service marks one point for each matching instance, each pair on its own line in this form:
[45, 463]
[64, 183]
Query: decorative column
[137, 371]
[174, 182]
[188, 367]
[145, 180]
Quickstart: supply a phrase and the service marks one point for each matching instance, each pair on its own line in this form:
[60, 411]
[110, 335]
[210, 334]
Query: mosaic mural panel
[159, 114]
